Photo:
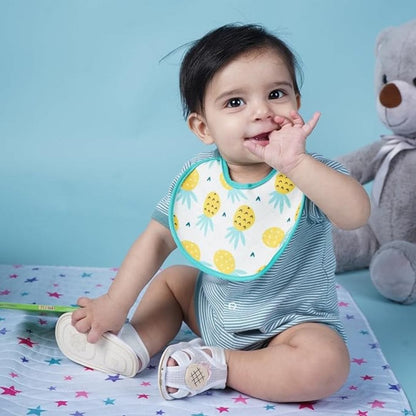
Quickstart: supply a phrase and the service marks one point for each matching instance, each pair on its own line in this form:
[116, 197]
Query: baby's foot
[186, 370]
[109, 355]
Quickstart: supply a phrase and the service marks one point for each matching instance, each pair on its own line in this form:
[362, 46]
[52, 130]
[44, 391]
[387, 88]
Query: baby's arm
[339, 196]
[108, 312]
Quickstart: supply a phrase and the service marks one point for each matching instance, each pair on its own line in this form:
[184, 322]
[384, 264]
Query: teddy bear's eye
[414, 82]
[384, 79]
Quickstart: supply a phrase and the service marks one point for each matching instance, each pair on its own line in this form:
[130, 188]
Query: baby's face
[243, 98]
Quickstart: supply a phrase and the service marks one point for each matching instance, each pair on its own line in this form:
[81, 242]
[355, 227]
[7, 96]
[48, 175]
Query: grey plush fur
[387, 244]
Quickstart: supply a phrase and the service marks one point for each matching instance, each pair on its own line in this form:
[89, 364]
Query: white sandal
[109, 355]
[196, 372]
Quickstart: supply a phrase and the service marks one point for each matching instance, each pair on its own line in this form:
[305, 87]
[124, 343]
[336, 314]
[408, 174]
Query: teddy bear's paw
[393, 271]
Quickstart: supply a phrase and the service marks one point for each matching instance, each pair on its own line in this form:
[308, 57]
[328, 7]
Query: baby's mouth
[261, 139]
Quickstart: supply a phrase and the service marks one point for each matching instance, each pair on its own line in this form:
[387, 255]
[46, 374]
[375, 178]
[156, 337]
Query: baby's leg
[306, 362]
[167, 302]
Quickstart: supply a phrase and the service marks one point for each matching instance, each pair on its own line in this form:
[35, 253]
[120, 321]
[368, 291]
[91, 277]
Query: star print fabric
[36, 379]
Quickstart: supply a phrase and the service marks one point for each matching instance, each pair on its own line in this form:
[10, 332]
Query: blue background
[91, 129]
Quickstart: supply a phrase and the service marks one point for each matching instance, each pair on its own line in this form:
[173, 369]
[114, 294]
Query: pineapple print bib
[230, 230]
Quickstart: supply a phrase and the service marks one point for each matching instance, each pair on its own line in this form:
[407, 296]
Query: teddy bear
[387, 243]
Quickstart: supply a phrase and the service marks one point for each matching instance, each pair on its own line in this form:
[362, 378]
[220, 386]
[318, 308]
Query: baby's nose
[262, 111]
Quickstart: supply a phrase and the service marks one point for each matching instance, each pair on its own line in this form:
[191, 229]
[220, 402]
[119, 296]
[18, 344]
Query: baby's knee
[326, 372]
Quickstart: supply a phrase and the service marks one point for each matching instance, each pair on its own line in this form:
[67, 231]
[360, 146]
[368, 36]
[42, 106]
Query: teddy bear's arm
[362, 163]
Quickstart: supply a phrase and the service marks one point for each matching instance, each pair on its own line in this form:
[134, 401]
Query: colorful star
[240, 399]
[377, 403]
[68, 378]
[11, 391]
[367, 377]
[86, 275]
[13, 276]
[42, 321]
[54, 295]
[407, 412]
[160, 412]
[222, 409]
[113, 378]
[32, 280]
[353, 388]
[81, 393]
[60, 403]
[37, 411]
[77, 413]
[343, 304]
[3, 331]
[142, 396]
[394, 387]
[27, 341]
[146, 383]
[24, 360]
[270, 407]
[13, 375]
[358, 361]
[307, 405]
[5, 292]
[53, 361]
[197, 414]
[108, 401]
[361, 413]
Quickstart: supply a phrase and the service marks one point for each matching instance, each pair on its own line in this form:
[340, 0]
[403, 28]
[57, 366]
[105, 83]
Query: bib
[230, 230]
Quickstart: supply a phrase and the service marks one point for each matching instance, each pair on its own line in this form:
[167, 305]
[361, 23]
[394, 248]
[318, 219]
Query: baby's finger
[94, 335]
[310, 125]
[83, 301]
[297, 119]
[83, 325]
[282, 121]
[77, 315]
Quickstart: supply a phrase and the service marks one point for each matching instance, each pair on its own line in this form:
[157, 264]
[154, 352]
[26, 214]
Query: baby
[253, 217]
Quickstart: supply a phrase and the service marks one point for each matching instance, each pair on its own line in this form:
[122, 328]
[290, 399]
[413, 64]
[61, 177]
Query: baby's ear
[198, 125]
[298, 100]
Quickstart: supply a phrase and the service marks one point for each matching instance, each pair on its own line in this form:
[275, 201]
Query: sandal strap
[197, 371]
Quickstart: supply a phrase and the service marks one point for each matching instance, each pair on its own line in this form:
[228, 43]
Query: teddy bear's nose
[390, 96]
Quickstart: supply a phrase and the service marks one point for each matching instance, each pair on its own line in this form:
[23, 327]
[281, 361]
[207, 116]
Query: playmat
[36, 379]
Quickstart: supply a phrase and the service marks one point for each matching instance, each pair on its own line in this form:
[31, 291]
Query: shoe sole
[109, 354]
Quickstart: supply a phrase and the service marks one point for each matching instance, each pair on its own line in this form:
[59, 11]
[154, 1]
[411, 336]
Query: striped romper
[299, 287]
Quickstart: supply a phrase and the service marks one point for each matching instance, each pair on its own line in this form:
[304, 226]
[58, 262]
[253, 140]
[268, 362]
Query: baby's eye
[275, 94]
[235, 102]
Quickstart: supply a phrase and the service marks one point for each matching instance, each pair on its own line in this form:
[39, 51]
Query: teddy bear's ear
[381, 38]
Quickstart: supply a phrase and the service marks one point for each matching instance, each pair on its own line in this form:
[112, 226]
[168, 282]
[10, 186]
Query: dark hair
[217, 48]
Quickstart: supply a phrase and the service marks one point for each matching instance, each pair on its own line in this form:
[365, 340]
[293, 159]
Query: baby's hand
[97, 316]
[286, 146]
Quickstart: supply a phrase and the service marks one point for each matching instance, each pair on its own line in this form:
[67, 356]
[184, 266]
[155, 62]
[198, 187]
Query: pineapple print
[243, 219]
[192, 249]
[175, 222]
[282, 185]
[186, 194]
[233, 194]
[211, 206]
[297, 212]
[273, 237]
[224, 261]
